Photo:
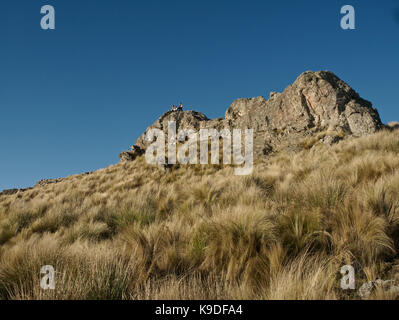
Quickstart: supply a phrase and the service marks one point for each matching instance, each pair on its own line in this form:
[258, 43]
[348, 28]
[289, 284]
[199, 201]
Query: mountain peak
[316, 102]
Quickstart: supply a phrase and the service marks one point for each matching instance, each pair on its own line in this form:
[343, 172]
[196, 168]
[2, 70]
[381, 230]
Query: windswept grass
[132, 231]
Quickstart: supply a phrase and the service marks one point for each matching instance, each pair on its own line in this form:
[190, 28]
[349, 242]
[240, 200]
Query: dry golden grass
[132, 231]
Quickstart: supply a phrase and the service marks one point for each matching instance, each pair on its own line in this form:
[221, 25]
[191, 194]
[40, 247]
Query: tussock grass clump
[132, 231]
[236, 244]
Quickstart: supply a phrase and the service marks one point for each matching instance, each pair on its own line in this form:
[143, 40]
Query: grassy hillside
[131, 231]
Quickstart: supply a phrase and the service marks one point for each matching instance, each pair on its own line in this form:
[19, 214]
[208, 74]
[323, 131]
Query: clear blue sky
[71, 99]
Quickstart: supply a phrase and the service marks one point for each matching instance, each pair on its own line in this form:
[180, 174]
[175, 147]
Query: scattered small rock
[331, 139]
[45, 182]
[369, 287]
[165, 167]
[132, 154]
[393, 125]
[9, 192]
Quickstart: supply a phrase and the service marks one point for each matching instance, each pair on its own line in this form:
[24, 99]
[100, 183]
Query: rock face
[315, 102]
[316, 99]
[184, 120]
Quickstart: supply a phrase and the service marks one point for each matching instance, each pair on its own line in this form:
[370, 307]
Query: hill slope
[132, 231]
[324, 193]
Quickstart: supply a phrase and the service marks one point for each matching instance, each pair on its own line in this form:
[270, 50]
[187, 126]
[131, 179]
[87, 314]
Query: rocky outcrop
[315, 102]
[316, 99]
[184, 119]
[46, 182]
[132, 154]
[394, 125]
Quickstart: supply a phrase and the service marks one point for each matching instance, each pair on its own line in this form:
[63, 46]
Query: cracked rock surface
[315, 102]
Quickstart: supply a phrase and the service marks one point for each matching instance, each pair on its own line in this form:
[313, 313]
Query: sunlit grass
[132, 231]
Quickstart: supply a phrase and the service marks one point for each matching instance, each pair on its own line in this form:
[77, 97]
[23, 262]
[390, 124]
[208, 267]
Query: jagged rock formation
[132, 154]
[184, 119]
[315, 102]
